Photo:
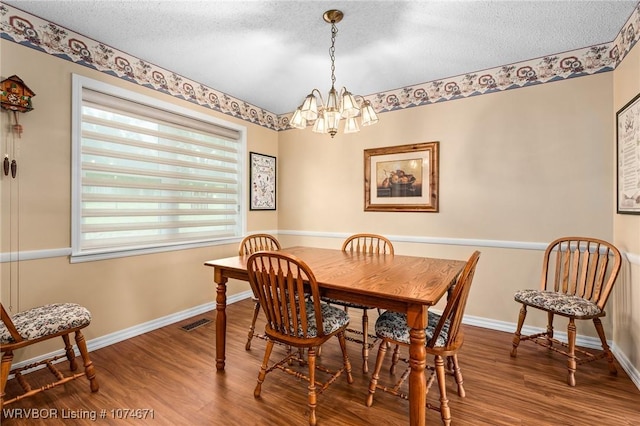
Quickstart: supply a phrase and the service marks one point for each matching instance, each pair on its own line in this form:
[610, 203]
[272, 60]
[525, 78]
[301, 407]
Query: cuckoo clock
[15, 96]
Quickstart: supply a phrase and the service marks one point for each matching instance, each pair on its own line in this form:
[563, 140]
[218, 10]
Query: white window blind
[149, 177]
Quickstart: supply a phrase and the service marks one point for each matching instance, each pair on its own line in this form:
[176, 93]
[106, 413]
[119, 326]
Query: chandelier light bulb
[297, 121]
[369, 115]
[351, 125]
[309, 109]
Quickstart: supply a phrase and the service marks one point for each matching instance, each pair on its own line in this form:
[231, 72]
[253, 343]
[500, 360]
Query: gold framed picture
[402, 178]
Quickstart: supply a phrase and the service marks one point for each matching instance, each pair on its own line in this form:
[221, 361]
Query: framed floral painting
[262, 182]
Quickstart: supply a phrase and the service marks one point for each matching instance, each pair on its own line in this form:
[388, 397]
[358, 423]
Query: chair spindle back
[454, 310]
[584, 267]
[368, 243]
[258, 242]
[282, 282]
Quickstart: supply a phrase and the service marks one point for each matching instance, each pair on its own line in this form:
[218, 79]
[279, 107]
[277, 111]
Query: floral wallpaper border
[30, 31]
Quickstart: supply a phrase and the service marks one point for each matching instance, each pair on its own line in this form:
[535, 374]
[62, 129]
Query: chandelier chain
[332, 53]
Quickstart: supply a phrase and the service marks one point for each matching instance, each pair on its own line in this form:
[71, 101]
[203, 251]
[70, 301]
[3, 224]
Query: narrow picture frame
[262, 181]
[628, 157]
[403, 178]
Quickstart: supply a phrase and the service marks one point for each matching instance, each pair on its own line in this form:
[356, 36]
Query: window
[149, 175]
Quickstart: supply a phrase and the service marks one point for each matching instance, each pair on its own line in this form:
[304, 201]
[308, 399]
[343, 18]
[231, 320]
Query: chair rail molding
[633, 258]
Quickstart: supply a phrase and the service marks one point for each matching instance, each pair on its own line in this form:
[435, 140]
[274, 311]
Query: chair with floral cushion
[444, 337]
[249, 245]
[282, 283]
[36, 325]
[365, 244]
[578, 274]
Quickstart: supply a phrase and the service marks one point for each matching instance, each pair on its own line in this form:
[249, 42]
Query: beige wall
[520, 166]
[626, 297]
[120, 293]
[525, 165]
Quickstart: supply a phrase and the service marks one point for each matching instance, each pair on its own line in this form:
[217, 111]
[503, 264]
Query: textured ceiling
[272, 53]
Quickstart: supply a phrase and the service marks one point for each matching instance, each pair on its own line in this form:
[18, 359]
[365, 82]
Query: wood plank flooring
[172, 372]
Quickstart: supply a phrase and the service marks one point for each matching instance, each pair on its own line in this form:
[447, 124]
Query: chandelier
[326, 116]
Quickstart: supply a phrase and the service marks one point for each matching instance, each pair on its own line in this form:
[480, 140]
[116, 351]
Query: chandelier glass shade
[325, 115]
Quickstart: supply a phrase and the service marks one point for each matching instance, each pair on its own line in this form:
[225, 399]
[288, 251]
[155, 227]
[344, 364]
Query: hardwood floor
[172, 373]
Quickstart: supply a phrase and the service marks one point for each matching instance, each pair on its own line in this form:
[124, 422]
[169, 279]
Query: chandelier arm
[360, 99]
[322, 103]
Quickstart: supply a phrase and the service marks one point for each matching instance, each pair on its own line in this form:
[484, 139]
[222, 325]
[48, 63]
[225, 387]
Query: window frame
[79, 83]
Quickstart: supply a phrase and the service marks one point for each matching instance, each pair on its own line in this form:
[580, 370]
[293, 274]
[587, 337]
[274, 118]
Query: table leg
[221, 318]
[416, 317]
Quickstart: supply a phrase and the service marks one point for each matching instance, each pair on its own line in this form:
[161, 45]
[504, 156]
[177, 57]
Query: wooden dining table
[409, 284]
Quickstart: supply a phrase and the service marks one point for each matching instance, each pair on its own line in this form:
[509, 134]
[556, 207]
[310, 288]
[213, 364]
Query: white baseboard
[128, 333]
[584, 341]
[119, 336]
[627, 365]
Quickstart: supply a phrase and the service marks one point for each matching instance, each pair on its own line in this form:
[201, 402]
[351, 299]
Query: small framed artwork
[628, 157]
[262, 182]
[401, 178]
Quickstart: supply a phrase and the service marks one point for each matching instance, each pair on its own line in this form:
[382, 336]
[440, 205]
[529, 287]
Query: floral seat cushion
[46, 320]
[333, 319]
[558, 303]
[393, 325]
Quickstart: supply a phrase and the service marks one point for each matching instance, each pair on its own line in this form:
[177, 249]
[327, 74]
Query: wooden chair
[444, 338]
[578, 274]
[362, 243]
[249, 245]
[36, 325]
[282, 283]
